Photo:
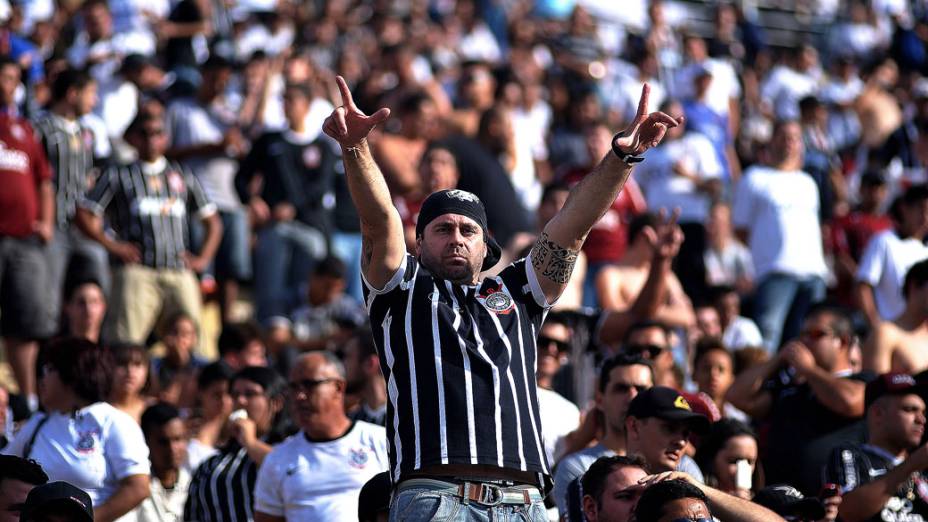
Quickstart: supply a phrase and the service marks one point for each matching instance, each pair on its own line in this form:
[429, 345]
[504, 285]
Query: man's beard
[461, 275]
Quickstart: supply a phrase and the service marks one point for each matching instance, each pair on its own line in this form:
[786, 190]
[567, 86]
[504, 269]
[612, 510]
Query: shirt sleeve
[125, 449]
[872, 262]
[197, 201]
[522, 281]
[102, 193]
[742, 204]
[409, 264]
[847, 468]
[268, 489]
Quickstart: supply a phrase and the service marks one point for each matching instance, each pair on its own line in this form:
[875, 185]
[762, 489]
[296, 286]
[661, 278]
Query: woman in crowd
[729, 445]
[83, 439]
[209, 421]
[130, 380]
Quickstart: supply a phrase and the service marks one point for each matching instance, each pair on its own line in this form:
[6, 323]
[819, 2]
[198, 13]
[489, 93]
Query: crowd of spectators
[158, 156]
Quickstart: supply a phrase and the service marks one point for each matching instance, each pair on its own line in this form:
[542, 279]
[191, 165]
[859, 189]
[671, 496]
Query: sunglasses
[652, 350]
[308, 385]
[545, 341]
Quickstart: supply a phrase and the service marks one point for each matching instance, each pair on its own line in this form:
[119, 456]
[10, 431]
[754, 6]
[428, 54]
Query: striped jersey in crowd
[69, 148]
[222, 488]
[460, 368]
[150, 205]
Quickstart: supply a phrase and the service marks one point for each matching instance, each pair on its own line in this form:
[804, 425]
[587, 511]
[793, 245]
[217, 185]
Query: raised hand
[666, 237]
[646, 130]
[347, 124]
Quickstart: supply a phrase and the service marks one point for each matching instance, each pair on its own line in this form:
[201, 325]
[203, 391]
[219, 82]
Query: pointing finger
[643, 102]
[347, 100]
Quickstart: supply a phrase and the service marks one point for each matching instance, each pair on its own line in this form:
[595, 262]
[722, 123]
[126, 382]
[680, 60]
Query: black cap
[668, 404]
[59, 496]
[891, 384]
[374, 497]
[786, 501]
[463, 203]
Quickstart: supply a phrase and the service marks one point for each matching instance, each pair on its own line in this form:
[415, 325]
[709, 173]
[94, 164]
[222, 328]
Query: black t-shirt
[854, 465]
[179, 51]
[800, 433]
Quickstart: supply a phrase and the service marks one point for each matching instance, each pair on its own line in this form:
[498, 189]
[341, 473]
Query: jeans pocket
[424, 506]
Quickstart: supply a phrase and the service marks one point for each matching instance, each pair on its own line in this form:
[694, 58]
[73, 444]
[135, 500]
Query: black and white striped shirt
[460, 368]
[69, 148]
[222, 488]
[149, 204]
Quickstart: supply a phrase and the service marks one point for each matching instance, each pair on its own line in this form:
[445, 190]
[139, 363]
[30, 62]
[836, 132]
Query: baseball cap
[890, 384]
[787, 501]
[60, 496]
[667, 404]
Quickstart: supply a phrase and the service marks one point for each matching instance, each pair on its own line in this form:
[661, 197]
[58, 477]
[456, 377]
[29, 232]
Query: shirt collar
[155, 167]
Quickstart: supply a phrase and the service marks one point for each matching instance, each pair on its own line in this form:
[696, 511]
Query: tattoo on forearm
[552, 260]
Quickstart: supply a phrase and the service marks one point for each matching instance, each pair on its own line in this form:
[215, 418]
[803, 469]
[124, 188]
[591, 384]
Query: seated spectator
[174, 375]
[737, 331]
[223, 486]
[130, 380]
[714, 372]
[166, 436]
[611, 489]
[720, 453]
[209, 422]
[890, 254]
[728, 261]
[897, 345]
[808, 397]
[241, 345]
[671, 497]
[558, 415]
[658, 427]
[84, 309]
[348, 452]
[790, 504]
[58, 502]
[18, 476]
[364, 378]
[880, 479]
[83, 439]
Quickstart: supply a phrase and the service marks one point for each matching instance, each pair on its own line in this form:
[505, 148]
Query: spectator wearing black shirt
[364, 378]
[292, 210]
[809, 398]
[884, 479]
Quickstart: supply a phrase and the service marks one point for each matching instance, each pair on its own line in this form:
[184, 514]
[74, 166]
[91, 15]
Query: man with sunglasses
[809, 396]
[559, 416]
[651, 340]
[318, 473]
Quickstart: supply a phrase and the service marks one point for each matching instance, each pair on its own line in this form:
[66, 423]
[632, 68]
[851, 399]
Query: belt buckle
[491, 495]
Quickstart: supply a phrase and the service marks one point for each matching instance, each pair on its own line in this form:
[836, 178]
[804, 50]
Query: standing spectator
[166, 436]
[808, 397]
[18, 476]
[611, 488]
[223, 486]
[96, 48]
[131, 380]
[776, 209]
[890, 254]
[897, 346]
[558, 415]
[149, 205]
[880, 479]
[27, 225]
[291, 212]
[727, 443]
[83, 439]
[701, 117]
[727, 260]
[348, 452]
[205, 137]
[723, 95]
[69, 148]
[738, 332]
[364, 377]
[84, 309]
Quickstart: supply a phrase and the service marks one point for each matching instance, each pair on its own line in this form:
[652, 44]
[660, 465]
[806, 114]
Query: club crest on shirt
[86, 443]
[497, 302]
[175, 181]
[312, 157]
[359, 458]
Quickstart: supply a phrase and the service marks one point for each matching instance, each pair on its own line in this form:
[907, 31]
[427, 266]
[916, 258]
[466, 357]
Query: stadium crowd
[744, 334]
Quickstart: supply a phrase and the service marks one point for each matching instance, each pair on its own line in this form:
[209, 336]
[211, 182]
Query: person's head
[17, 478]
[718, 226]
[241, 345]
[895, 412]
[675, 110]
[701, 82]
[785, 145]
[812, 111]
[438, 169]
[915, 289]
[873, 191]
[418, 116]
[652, 340]
[74, 373]
[672, 500]
[213, 390]
[84, 308]
[98, 22]
[477, 86]
[297, 99]
[621, 378]
[911, 211]
[362, 364]
[727, 303]
[553, 199]
[57, 502]
[727, 442]
[553, 348]
[658, 426]
[695, 48]
[788, 502]
[148, 135]
[10, 76]
[130, 374]
[317, 391]
[713, 368]
[216, 73]
[259, 391]
[828, 333]
[76, 89]
[708, 322]
[495, 129]
[327, 281]
[180, 335]
[166, 437]
[452, 238]
[610, 488]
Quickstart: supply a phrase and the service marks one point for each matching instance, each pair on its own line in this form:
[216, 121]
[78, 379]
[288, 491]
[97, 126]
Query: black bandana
[462, 203]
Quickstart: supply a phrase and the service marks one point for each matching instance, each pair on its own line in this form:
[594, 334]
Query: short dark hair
[23, 470]
[213, 373]
[125, 354]
[71, 286]
[594, 480]
[717, 292]
[709, 344]
[84, 366]
[645, 325]
[713, 442]
[236, 336]
[650, 506]
[302, 89]
[331, 267]
[69, 79]
[916, 276]
[157, 415]
[621, 359]
[840, 322]
[638, 224]
[779, 124]
[551, 188]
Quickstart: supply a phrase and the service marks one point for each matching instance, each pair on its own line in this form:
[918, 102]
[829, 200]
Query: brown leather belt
[478, 492]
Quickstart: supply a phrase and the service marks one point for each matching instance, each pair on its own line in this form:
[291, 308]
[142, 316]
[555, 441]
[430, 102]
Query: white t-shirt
[163, 505]
[559, 417]
[93, 448]
[724, 87]
[780, 209]
[303, 480]
[664, 188]
[784, 87]
[742, 333]
[883, 266]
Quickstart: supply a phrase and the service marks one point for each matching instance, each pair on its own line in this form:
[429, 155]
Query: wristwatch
[627, 158]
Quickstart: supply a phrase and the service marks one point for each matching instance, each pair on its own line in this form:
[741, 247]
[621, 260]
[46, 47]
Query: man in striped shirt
[457, 351]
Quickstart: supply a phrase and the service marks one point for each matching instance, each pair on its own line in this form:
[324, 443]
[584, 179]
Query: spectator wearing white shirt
[776, 210]
[728, 261]
[83, 440]
[737, 331]
[788, 83]
[724, 93]
[890, 254]
[318, 473]
[559, 416]
[166, 435]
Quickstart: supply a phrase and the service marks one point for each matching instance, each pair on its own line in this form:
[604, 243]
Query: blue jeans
[441, 503]
[781, 303]
[347, 246]
[284, 255]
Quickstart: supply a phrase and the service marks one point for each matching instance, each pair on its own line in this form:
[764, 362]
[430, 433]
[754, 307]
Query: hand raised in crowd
[798, 356]
[347, 124]
[666, 237]
[646, 130]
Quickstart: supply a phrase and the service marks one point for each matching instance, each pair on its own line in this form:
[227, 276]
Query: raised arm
[383, 246]
[555, 252]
